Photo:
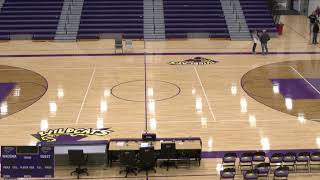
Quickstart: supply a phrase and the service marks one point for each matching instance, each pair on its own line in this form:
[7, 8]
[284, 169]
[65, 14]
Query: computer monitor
[144, 145]
[149, 137]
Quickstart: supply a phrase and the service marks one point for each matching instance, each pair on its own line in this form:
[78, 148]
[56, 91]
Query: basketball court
[240, 102]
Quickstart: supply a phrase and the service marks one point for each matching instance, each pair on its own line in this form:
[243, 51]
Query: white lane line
[305, 79]
[85, 96]
[205, 94]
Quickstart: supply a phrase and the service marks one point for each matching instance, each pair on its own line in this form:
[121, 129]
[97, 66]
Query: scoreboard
[27, 162]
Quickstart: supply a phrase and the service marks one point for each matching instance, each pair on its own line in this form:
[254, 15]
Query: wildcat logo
[8, 150]
[194, 61]
[45, 149]
[52, 135]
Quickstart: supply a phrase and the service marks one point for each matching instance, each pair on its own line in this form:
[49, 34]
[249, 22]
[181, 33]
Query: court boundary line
[305, 79]
[85, 96]
[205, 94]
[154, 54]
[138, 122]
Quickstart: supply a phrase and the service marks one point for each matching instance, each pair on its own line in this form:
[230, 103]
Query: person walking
[264, 38]
[255, 39]
[315, 31]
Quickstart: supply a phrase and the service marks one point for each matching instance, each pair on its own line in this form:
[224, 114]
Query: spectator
[318, 11]
[315, 33]
[264, 38]
[313, 19]
[255, 39]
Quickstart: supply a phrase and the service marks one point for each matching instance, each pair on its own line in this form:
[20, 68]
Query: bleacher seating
[188, 16]
[111, 17]
[258, 15]
[183, 18]
[38, 18]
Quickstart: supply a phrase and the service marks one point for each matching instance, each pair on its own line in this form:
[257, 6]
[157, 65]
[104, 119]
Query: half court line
[85, 96]
[205, 94]
[305, 79]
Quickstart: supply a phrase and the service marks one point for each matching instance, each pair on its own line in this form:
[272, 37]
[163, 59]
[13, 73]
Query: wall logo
[70, 134]
[194, 61]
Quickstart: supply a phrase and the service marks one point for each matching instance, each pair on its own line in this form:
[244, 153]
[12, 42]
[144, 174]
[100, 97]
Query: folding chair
[303, 159]
[314, 160]
[245, 161]
[229, 160]
[118, 44]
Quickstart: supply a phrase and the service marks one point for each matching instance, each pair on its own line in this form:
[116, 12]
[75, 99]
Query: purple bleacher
[258, 15]
[111, 17]
[37, 17]
[188, 16]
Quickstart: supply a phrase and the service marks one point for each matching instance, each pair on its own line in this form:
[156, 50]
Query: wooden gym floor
[84, 85]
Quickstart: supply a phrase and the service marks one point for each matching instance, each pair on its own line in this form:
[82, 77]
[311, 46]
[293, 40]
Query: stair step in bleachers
[194, 18]
[37, 18]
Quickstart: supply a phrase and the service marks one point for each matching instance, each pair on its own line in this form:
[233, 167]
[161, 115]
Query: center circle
[138, 90]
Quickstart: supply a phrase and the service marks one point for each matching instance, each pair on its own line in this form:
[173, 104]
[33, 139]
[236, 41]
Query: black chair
[263, 170]
[289, 160]
[245, 161]
[250, 175]
[147, 159]
[314, 160]
[276, 160]
[128, 159]
[258, 157]
[76, 157]
[281, 173]
[228, 173]
[168, 153]
[302, 160]
[184, 158]
[229, 160]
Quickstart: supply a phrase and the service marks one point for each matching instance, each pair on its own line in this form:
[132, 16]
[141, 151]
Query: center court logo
[70, 134]
[194, 61]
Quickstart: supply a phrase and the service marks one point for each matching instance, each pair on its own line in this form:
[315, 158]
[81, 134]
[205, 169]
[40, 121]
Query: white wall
[313, 5]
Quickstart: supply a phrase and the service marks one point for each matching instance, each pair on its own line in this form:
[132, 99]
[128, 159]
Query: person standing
[264, 38]
[255, 39]
[315, 31]
[312, 19]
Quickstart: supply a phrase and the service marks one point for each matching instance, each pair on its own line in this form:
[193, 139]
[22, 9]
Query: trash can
[280, 28]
